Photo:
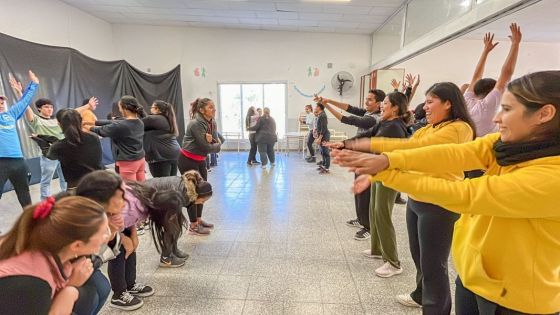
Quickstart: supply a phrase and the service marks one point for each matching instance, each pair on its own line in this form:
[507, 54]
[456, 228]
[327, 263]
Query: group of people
[262, 136]
[480, 175]
[480, 165]
[95, 219]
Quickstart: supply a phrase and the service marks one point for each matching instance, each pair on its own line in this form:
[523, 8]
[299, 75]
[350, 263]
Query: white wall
[247, 55]
[456, 60]
[53, 22]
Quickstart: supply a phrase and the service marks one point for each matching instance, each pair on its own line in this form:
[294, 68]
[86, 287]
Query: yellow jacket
[506, 245]
[447, 132]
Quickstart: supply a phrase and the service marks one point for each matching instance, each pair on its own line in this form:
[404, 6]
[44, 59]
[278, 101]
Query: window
[236, 98]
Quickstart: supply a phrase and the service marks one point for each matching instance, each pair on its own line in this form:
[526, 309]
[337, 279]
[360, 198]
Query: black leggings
[186, 164]
[15, 170]
[163, 168]
[430, 231]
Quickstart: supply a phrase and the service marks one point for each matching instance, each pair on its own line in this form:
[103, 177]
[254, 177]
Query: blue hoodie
[9, 140]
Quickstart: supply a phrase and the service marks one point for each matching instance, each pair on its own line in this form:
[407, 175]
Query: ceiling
[350, 17]
[539, 23]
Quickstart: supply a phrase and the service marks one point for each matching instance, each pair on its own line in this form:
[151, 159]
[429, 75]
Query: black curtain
[67, 77]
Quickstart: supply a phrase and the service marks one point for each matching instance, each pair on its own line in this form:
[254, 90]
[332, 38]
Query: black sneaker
[400, 200]
[324, 171]
[255, 162]
[126, 302]
[354, 223]
[141, 290]
[311, 159]
[320, 163]
[180, 254]
[362, 235]
[249, 164]
[171, 262]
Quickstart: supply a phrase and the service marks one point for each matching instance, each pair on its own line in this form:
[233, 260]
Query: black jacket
[159, 143]
[195, 141]
[127, 136]
[266, 130]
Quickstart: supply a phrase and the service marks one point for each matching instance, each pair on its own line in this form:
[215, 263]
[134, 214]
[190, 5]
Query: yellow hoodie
[506, 245]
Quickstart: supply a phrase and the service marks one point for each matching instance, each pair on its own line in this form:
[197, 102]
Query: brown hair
[401, 101]
[534, 91]
[71, 219]
[197, 105]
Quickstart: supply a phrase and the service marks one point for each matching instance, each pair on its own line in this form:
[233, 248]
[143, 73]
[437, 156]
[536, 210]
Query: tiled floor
[280, 247]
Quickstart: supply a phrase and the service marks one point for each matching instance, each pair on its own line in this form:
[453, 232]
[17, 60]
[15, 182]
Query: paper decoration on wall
[200, 72]
[313, 71]
[309, 95]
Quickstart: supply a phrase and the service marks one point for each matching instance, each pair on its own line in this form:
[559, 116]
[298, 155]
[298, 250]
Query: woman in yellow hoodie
[506, 246]
[429, 226]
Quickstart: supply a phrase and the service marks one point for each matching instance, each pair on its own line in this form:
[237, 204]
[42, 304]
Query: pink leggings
[133, 170]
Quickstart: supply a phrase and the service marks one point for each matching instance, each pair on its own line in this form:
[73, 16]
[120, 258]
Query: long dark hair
[167, 219]
[197, 105]
[99, 186]
[130, 103]
[168, 112]
[250, 113]
[71, 123]
[401, 101]
[534, 91]
[448, 91]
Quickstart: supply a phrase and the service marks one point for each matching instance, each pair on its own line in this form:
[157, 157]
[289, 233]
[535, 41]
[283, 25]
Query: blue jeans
[93, 295]
[48, 167]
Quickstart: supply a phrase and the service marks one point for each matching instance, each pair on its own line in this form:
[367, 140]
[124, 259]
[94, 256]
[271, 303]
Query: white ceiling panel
[355, 16]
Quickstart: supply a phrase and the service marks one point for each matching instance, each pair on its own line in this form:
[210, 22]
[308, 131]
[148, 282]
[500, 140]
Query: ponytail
[168, 112]
[197, 105]
[71, 123]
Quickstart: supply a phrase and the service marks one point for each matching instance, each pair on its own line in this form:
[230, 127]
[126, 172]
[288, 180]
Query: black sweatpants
[430, 232]
[186, 164]
[15, 170]
[253, 150]
[163, 168]
[122, 271]
[361, 201]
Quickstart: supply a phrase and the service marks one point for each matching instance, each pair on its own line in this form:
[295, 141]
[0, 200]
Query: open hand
[334, 145]
[488, 42]
[361, 163]
[16, 85]
[395, 84]
[410, 79]
[93, 102]
[515, 36]
[361, 183]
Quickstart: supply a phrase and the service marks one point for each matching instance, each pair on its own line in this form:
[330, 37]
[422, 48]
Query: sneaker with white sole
[368, 254]
[388, 270]
[126, 302]
[354, 223]
[141, 290]
[406, 300]
[362, 235]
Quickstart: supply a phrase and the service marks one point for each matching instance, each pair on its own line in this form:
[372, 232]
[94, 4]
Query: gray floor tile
[263, 308]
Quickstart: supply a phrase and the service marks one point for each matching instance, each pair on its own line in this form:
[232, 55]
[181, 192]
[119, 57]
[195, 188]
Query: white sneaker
[263, 167]
[368, 254]
[387, 270]
[406, 300]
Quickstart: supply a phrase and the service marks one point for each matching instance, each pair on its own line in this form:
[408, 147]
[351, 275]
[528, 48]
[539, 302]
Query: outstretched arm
[509, 65]
[22, 106]
[479, 70]
[335, 113]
